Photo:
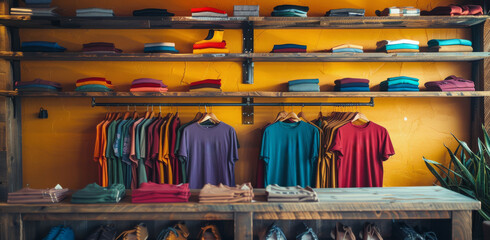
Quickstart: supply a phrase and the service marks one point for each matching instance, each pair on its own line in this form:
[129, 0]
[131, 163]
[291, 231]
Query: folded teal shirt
[352, 89]
[353, 50]
[93, 88]
[403, 77]
[401, 81]
[305, 87]
[93, 193]
[401, 90]
[446, 42]
[401, 46]
[301, 81]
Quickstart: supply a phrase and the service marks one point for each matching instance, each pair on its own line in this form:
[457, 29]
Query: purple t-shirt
[210, 152]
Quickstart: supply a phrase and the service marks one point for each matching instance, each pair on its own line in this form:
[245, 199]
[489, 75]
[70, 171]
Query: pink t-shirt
[361, 152]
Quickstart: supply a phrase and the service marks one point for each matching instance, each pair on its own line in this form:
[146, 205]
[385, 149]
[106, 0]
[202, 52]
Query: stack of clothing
[95, 12]
[450, 45]
[352, 85]
[29, 195]
[148, 85]
[208, 85]
[37, 3]
[208, 12]
[395, 46]
[347, 48]
[290, 11]
[93, 193]
[100, 47]
[41, 46]
[149, 192]
[94, 84]
[400, 84]
[152, 12]
[304, 85]
[345, 12]
[246, 10]
[213, 43]
[225, 194]
[289, 48]
[276, 193]
[160, 47]
[451, 83]
[455, 10]
[37, 85]
[36, 12]
[399, 12]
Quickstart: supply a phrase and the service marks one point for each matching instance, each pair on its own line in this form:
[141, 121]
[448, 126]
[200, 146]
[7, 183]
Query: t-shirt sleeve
[337, 144]
[386, 147]
[234, 146]
[264, 149]
[315, 145]
[183, 148]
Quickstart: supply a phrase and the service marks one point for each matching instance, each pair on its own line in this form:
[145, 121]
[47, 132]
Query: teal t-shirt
[290, 153]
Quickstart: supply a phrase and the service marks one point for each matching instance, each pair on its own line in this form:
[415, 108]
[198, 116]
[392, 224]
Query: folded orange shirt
[149, 89]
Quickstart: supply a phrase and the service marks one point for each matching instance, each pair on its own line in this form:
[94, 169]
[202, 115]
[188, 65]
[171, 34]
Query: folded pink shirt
[149, 89]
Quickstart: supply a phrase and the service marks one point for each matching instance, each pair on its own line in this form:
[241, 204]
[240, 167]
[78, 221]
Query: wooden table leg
[10, 226]
[243, 226]
[461, 225]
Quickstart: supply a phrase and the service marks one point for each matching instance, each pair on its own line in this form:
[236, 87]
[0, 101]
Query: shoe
[140, 232]
[177, 232]
[53, 233]
[308, 234]
[402, 231]
[66, 234]
[429, 236]
[104, 232]
[213, 36]
[341, 232]
[209, 232]
[275, 233]
[370, 232]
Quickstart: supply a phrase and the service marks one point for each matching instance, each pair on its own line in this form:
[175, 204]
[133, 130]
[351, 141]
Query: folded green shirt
[93, 193]
[400, 81]
[446, 42]
[93, 88]
[403, 77]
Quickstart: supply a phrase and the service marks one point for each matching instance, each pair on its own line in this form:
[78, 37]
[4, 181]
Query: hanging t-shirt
[290, 152]
[361, 152]
[210, 153]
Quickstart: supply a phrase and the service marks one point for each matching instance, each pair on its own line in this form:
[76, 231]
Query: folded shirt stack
[152, 12]
[304, 85]
[399, 11]
[352, 85]
[225, 194]
[160, 47]
[29, 195]
[93, 193]
[207, 85]
[161, 193]
[95, 12]
[451, 83]
[94, 84]
[450, 45]
[345, 12]
[290, 11]
[348, 48]
[38, 85]
[395, 46]
[36, 12]
[455, 10]
[400, 84]
[208, 12]
[289, 48]
[38, 3]
[277, 193]
[148, 85]
[213, 43]
[100, 47]
[41, 46]
[246, 10]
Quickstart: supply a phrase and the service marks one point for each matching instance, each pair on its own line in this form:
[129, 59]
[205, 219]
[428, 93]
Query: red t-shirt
[361, 152]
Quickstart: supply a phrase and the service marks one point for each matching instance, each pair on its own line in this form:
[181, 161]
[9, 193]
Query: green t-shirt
[290, 151]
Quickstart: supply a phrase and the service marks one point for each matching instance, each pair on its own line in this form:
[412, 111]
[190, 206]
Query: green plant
[468, 172]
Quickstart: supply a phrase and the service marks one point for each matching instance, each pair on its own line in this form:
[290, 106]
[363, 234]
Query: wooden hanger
[302, 115]
[360, 118]
[292, 116]
[281, 115]
[209, 116]
[197, 117]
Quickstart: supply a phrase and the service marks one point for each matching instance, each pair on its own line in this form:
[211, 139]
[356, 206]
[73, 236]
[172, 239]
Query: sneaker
[404, 232]
[275, 233]
[104, 232]
[53, 233]
[370, 232]
[308, 234]
[209, 232]
[177, 232]
[140, 232]
[341, 232]
[66, 234]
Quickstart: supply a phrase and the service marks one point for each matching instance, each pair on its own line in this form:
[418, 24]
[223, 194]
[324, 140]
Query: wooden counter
[335, 204]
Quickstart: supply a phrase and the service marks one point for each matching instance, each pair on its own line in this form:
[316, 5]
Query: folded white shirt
[209, 14]
[94, 10]
[160, 44]
[402, 41]
[95, 15]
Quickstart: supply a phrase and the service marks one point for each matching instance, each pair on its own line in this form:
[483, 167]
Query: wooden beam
[244, 226]
[461, 225]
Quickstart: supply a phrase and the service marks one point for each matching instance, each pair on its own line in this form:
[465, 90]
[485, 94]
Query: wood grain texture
[365, 215]
[10, 227]
[201, 216]
[181, 22]
[461, 225]
[244, 226]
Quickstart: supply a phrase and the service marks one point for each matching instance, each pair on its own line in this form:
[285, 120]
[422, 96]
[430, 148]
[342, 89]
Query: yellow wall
[59, 149]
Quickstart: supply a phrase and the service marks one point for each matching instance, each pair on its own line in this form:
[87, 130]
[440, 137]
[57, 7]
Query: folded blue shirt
[41, 49]
[160, 49]
[42, 44]
[302, 81]
[401, 90]
[289, 45]
[446, 42]
[352, 89]
[403, 78]
[305, 87]
[400, 46]
[402, 85]
[37, 86]
[354, 50]
[93, 88]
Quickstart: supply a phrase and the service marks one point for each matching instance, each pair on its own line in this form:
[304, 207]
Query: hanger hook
[205, 109]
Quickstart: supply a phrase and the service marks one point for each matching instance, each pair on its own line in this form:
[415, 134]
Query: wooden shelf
[184, 22]
[259, 94]
[257, 57]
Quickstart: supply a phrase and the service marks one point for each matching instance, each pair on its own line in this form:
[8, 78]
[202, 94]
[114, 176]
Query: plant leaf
[436, 174]
[466, 175]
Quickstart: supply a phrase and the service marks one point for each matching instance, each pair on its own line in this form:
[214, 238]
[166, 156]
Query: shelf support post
[248, 111]
[248, 47]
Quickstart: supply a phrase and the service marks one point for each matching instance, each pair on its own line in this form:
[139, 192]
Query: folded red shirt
[98, 44]
[289, 50]
[207, 9]
[210, 45]
[93, 49]
[139, 85]
[205, 85]
[213, 81]
[93, 79]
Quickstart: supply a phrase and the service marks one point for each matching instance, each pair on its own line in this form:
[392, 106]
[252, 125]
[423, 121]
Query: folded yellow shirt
[205, 90]
[347, 46]
[451, 48]
[95, 82]
[210, 50]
